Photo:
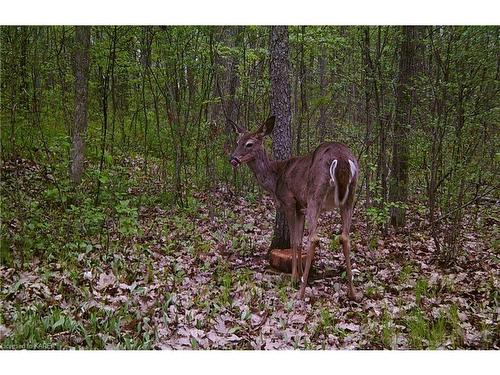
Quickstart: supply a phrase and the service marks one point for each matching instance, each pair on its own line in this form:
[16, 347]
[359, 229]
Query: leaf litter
[201, 280]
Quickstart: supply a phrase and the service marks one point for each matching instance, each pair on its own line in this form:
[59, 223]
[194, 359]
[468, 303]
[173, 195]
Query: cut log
[281, 259]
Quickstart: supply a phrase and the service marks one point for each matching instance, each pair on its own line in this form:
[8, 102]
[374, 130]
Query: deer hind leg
[312, 221]
[300, 235]
[293, 226]
[346, 215]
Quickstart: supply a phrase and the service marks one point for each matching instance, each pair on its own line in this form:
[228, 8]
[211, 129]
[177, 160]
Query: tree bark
[320, 126]
[82, 44]
[281, 108]
[375, 76]
[369, 127]
[303, 100]
[398, 188]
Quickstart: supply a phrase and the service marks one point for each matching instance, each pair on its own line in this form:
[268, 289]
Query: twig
[477, 197]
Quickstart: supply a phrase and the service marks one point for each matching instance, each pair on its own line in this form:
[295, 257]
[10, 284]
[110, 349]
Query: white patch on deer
[345, 196]
[333, 166]
[353, 169]
[332, 171]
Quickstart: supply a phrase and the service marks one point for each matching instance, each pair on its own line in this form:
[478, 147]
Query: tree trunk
[398, 188]
[369, 128]
[374, 75]
[320, 126]
[303, 101]
[281, 108]
[82, 41]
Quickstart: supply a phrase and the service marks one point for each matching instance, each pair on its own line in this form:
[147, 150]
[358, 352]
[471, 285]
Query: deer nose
[234, 161]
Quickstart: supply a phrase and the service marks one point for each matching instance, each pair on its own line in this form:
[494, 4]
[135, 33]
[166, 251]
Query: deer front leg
[346, 215]
[312, 220]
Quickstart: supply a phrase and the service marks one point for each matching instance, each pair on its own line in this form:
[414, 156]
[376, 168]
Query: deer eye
[248, 144]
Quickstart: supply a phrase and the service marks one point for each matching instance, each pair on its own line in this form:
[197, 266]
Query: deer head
[249, 144]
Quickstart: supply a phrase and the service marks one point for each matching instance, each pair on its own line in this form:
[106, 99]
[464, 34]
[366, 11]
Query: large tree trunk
[281, 108]
[398, 188]
[82, 44]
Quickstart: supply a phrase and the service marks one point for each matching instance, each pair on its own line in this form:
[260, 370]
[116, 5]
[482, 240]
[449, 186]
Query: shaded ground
[199, 278]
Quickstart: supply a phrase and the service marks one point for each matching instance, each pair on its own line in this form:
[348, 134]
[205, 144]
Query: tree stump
[281, 259]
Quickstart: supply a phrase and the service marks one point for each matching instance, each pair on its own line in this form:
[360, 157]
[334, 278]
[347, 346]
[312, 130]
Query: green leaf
[59, 323]
[194, 343]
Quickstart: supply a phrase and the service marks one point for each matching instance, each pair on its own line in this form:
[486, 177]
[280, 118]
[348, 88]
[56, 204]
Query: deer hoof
[355, 296]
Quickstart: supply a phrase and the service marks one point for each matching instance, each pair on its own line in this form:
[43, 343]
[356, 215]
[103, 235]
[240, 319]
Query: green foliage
[380, 215]
[127, 218]
[421, 290]
[33, 330]
[379, 212]
[406, 271]
[388, 330]
[327, 321]
[424, 333]
[225, 282]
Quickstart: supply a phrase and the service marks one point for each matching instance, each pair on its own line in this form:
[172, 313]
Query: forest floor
[199, 278]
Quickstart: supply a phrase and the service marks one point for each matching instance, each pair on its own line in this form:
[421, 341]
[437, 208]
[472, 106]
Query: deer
[303, 187]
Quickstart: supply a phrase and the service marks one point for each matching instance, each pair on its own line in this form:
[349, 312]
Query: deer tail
[341, 178]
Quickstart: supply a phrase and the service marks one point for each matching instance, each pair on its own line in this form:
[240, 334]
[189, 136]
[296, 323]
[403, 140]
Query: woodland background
[123, 224]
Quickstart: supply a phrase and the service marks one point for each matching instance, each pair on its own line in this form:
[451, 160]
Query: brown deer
[303, 187]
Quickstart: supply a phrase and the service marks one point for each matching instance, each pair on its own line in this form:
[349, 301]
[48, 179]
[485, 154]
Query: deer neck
[264, 171]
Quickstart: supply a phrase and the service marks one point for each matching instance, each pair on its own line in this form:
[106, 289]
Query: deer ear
[238, 129]
[267, 127]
